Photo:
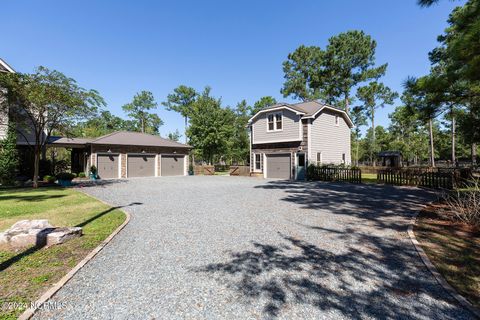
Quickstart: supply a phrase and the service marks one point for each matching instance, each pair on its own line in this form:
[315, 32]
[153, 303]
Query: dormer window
[275, 121]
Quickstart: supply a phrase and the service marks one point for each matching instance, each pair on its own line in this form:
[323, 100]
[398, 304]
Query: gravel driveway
[244, 248]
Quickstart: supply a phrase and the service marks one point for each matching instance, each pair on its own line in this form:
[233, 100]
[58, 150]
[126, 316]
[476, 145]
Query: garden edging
[28, 313]
[433, 270]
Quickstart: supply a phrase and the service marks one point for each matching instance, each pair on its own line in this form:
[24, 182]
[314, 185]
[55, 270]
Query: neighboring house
[116, 155]
[4, 67]
[285, 138]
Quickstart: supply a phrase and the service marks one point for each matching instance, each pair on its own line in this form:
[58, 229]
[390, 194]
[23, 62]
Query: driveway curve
[231, 247]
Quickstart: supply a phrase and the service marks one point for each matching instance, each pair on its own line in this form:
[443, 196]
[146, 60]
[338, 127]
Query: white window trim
[274, 121]
[265, 165]
[255, 162]
[309, 138]
[321, 157]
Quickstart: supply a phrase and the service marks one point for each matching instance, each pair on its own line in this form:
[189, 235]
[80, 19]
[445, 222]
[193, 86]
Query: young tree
[262, 103]
[138, 110]
[359, 119]
[373, 96]
[210, 127]
[44, 101]
[181, 101]
[239, 141]
[174, 136]
[350, 59]
[8, 157]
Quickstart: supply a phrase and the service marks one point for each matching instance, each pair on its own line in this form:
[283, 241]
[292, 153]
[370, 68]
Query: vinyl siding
[329, 139]
[290, 131]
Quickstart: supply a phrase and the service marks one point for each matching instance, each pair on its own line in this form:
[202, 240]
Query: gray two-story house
[285, 138]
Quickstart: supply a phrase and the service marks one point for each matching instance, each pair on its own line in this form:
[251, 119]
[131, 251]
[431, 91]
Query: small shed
[391, 158]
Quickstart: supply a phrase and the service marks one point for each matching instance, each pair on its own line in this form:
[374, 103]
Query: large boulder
[26, 233]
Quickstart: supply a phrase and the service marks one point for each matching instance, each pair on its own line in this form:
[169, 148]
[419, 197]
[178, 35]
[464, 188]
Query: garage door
[278, 166]
[107, 166]
[140, 165]
[173, 165]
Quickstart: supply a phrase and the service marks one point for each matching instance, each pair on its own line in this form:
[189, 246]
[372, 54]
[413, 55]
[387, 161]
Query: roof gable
[4, 67]
[278, 106]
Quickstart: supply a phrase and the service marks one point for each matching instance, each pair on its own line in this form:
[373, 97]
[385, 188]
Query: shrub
[8, 158]
[81, 175]
[49, 179]
[67, 176]
[464, 206]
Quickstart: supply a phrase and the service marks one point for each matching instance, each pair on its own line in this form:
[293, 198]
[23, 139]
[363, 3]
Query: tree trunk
[143, 125]
[454, 158]
[474, 153]
[185, 132]
[374, 158]
[356, 156]
[432, 150]
[36, 165]
[347, 104]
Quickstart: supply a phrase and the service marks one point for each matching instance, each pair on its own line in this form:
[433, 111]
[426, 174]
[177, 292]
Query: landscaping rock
[39, 233]
[61, 235]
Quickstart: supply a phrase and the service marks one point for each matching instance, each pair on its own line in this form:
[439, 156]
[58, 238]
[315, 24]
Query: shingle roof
[72, 141]
[137, 139]
[309, 107]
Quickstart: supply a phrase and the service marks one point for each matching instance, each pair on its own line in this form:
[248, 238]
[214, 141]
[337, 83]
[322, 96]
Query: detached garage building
[127, 154]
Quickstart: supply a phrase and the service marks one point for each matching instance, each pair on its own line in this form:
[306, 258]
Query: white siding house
[286, 138]
[330, 139]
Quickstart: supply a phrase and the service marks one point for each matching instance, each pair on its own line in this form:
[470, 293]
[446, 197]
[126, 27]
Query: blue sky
[121, 47]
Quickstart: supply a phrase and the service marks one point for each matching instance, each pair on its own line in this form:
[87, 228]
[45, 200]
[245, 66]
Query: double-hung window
[275, 121]
[271, 122]
[319, 157]
[278, 121]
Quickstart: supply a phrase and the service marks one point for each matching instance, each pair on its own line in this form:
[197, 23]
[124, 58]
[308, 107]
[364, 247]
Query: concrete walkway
[243, 248]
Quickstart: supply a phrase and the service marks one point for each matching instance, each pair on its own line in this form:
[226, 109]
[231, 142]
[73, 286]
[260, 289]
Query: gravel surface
[244, 248]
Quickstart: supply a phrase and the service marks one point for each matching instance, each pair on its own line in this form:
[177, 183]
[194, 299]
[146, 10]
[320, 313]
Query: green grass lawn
[26, 274]
[369, 177]
[454, 249]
